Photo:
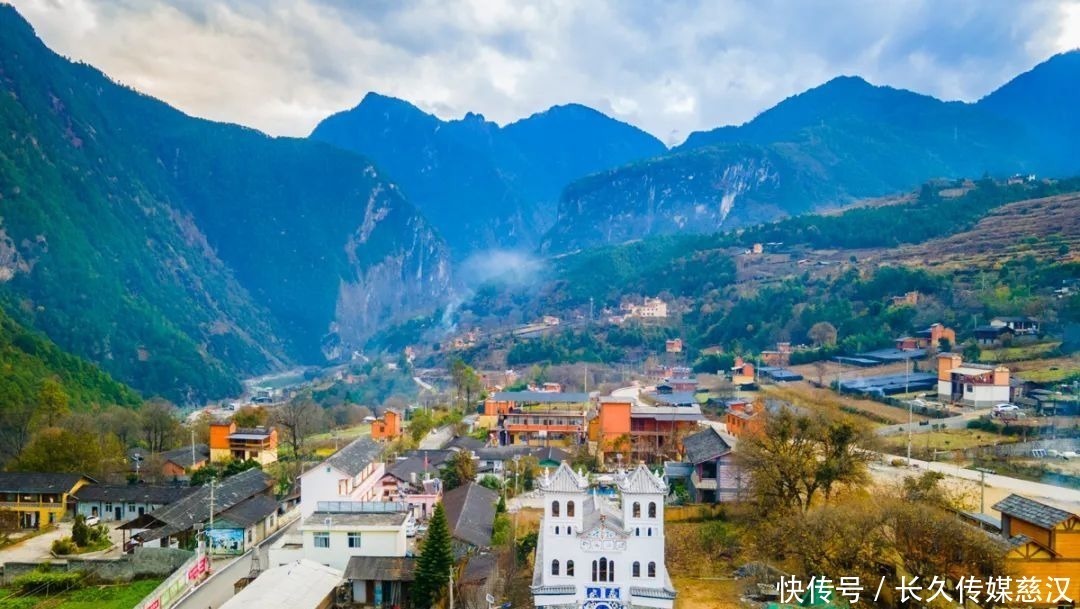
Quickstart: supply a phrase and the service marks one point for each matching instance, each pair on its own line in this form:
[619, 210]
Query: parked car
[1006, 407]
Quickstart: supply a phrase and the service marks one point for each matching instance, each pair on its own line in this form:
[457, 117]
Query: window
[108, 507]
[556, 529]
[570, 508]
[555, 567]
[650, 531]
[637, 532]
[603, 570]
[636, 510]
[635, 570]
[569, 567]
[343, 487]
[322, 540]
[555, 509]
[652, 569]
[131, 507]
[354, 540]
[594, 570]
[652, 509]
[250, 535]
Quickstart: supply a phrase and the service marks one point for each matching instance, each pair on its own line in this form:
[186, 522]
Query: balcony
[704, 484]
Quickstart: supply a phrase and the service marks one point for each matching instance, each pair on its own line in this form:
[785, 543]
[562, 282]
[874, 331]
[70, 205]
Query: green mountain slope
[481, 185]
[842, 141]
[180, 253]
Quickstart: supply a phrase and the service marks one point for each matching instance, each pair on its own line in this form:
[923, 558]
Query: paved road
[437, 438]
[36, 548]
[957, 422]
[213, 592]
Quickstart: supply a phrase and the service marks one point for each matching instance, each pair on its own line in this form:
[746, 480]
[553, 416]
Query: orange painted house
[387, 427]
[647, 433]
[1045, 544]
[744, 418]
[227, 441]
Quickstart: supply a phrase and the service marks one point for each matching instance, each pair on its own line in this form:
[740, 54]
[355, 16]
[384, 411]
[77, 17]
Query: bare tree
[160, 425]
[297, 419]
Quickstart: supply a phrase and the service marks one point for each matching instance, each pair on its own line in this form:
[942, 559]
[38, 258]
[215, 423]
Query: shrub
[63, 547]
[44, 581]
[80, 533]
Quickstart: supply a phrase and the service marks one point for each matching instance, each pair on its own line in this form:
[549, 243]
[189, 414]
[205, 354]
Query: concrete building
[715, 477]
[540, 417]
[388, 426]
[350, 474]
[227, 441]
[592, 552]
[341, 530]
[976, 385]
[648, 432]
[297, 585]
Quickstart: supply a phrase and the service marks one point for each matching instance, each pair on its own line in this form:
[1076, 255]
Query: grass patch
[1020, 353]
[947, 439]
[112, 596]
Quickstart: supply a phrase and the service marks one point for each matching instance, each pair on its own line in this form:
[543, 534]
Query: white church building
[594, 553]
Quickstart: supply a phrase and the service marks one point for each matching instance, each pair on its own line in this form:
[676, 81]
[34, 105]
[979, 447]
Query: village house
[976, 385]
[32, 500]
[301, 584]
[592, 551]
[781, 356]
[1044, 542]
[908, 299]
[351, 474]
[930, 338]
[1020, 326]
[673, 345]
[470, 512]
[496, 460]
[715, 477]
[124, 502]
[744, 417]
[388, 426]
[992, 336]
[229, 442]
[339, 530]
[644, 432]
[412, 480]
[539, 417]
[380, 581]
[742, 373]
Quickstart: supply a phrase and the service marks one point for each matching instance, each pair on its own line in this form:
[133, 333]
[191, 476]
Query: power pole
[451, 586]
[211, 526]
[907, 383]
[982, 487]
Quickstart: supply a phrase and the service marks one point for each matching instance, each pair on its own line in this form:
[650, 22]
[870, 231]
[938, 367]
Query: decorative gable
[641, 481]
[564, 480]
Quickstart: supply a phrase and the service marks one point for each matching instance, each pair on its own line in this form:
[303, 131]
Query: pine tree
[433, 565]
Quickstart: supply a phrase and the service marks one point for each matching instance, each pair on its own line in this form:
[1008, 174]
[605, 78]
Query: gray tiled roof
[466, 443]
[470, 511]
[1032, 511]
[402, 469]
[704, 445]
[194, 508]
[355, 456]
[132, 493]
[651, 592]
[250, 511]
[38, 482]
[182, 456]
[381, 568]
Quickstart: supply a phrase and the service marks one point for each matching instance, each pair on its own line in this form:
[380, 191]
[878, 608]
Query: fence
[177, 584]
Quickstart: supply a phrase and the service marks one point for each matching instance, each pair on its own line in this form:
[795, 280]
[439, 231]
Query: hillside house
[929, 338]
[992, 336]
[32, 500]
[744, 418]
[229, 442]
[972, 384]
[541, 417]
[910, 299]
[715, 477]
[644, 432]
[388, 426]
[1044, 542]
[742, 373]
[338, 531]
[779, 357]
[1021, 326]
[673, 345]
[470, 512]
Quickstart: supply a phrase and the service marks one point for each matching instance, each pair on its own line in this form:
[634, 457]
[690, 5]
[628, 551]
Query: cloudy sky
[669, 67]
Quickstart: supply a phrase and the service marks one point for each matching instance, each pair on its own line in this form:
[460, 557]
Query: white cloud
[668, 67]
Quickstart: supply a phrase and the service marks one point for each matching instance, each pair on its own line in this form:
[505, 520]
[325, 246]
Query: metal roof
[1032, 511]
[545, 397]
[303, 584]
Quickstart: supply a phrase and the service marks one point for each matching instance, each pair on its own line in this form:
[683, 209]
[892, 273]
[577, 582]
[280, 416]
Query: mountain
[1043, 100]
[179, 253]
[844, 140]
[480, 185]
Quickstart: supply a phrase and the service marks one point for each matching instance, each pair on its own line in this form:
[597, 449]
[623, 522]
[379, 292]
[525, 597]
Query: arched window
[594, 570]
[635, 570]
[555, 509]
[611, 571]
[636, 510]
[652, 569]
[650, 531]
[570, 509]
[556, 529]
[569, 567]
[603, 569]
[637, 531]
[652, 509]
[555, 567]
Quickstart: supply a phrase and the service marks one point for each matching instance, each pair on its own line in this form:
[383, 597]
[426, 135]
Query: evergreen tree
[433, 565]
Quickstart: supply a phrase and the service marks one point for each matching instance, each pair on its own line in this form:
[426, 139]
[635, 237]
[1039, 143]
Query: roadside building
[642, 431]
[339, 531]
[743, 418]
[592, 552]
[779, 357]
[972, 384]
[227, 441]
[124, 502]
[715, 477]
[1020, 326]
[32, 500]
[380, 581]
[180, 462]
[411, 480]
[350, 474]
[387, 426]
[1044, 542]
[742, 373]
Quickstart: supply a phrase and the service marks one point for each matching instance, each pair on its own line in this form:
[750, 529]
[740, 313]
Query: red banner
[196, 571]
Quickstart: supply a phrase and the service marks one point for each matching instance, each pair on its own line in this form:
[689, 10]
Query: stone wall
[145, 562]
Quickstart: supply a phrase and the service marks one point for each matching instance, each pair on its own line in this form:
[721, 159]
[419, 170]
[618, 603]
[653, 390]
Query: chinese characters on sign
[996, 590]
